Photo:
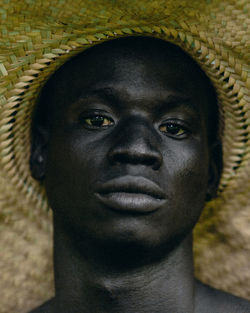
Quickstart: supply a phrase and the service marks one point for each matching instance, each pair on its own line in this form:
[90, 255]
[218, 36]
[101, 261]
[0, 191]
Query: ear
[215, 168]
[38, 155]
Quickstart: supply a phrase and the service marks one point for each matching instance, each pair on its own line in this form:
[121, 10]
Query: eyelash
[173, 128]
[99, 118]
[178, 129]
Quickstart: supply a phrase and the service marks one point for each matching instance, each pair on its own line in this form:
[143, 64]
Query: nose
[136, 143]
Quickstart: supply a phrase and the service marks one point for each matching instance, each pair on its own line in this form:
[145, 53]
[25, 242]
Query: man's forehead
[118, 96]
[145, 55]
[143, 67]
[139, 62]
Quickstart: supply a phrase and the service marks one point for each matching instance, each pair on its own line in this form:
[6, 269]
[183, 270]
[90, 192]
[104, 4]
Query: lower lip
[130, 202]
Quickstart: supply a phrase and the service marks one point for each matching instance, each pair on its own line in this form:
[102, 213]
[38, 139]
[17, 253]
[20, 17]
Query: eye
[98, 121]
[173, 129]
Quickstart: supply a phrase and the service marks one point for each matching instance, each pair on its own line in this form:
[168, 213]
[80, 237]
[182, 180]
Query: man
[125, 139]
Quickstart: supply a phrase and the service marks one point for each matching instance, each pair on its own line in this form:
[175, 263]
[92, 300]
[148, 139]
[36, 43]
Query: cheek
[192, 171]
[186, 184]
[72, 166]
[188, 164]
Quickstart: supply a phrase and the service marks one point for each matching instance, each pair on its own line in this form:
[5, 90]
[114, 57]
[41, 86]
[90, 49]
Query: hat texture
[36, 38]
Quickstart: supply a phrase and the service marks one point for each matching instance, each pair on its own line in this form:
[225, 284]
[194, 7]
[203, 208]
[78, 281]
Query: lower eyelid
[87, 121]
[175, 124]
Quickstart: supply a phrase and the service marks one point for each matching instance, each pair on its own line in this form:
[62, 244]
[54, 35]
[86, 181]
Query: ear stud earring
[40, 159]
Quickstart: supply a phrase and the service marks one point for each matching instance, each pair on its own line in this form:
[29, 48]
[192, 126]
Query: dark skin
[128, 108]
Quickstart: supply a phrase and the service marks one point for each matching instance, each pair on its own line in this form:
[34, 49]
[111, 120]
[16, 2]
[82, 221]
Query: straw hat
[37, 37]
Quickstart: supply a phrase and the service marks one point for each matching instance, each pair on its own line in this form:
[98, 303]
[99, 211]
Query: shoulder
[210, 300]
[47, 307]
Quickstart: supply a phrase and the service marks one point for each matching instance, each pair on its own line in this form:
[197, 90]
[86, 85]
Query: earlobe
[37, 167]
[212, 183]
[215, 168]
[38, 153]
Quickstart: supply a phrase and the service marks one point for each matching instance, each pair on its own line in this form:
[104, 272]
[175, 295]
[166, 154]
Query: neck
[86, 282]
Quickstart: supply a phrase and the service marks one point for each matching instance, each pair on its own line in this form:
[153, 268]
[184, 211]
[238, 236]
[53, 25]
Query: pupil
[97, 120]
[173, 129]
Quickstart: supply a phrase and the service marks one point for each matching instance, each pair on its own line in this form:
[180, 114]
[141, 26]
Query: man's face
[128, 156]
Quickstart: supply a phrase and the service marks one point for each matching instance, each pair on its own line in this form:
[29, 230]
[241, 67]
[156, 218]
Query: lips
[131, 194]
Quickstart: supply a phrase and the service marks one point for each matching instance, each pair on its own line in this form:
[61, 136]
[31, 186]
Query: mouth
[131, 194]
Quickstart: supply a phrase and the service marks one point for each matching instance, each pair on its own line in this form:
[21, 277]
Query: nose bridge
[139, 133]
[136, 143]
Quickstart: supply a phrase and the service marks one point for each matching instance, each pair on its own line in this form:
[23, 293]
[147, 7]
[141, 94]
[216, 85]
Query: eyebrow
[113, 97]
[106, 93]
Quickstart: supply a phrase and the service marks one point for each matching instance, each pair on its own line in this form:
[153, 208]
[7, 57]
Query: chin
[132, 234]
[133, 247]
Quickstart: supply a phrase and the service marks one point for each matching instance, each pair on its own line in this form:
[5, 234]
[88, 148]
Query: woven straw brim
[37, 37]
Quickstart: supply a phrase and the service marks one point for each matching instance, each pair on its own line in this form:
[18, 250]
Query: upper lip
[131, 184]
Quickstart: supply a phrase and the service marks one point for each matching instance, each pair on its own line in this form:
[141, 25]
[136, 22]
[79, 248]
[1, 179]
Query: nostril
[136, 143]
[148, 157]
[134, 159]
